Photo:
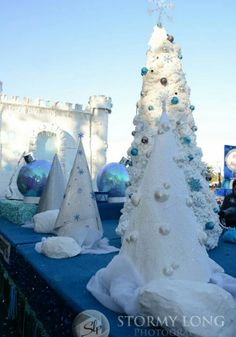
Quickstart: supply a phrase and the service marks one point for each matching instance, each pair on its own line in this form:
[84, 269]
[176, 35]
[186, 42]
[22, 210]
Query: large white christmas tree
[163, 77]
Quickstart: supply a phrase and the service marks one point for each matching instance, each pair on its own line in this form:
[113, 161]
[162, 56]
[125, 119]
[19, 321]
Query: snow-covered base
[189, 308]
[44, 222]
[58, 247]
[120, 288]
[86, 241]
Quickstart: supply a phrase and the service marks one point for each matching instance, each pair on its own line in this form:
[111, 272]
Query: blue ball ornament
[113, 178]
[209, 225]
[144, 71]
[216, 210]
[32, 178]
[151, 107]
[174, 100]
[180, 56]
[190, 157]
[192, 107]
[134, 151]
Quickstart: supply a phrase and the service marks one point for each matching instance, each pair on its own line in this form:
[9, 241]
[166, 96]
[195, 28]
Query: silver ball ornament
[164, 81]
[144, 140]
[170, 38]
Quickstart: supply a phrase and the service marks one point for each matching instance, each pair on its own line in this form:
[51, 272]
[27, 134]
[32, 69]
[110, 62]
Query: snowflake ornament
[195, 185]
[161, 7]
[168, 59]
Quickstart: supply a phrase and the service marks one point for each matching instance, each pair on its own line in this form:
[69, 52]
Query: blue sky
[68, 50]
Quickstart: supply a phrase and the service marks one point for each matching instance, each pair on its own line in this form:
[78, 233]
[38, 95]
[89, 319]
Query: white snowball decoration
[161, 196]
[58, 247]
[135, 199]
[168, 271]
[189, 202]
[132, 237]
[166, 186]
[175, 265]
[164, 229]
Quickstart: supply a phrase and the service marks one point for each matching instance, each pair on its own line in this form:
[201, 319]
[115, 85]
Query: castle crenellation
[16, 100]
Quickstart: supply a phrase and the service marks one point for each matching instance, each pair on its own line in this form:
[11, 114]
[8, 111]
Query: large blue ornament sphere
[113, 178]
[32, 178]
[209, 225]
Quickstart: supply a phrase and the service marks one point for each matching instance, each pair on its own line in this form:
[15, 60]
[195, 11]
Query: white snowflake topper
[161, 7]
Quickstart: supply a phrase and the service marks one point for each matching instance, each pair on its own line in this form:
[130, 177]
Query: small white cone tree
[54, 190]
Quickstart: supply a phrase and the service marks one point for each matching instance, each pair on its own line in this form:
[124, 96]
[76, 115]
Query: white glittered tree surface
[174, 247]
[163, 76]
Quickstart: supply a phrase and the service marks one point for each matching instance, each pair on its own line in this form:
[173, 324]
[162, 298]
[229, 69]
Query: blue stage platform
[56, 289]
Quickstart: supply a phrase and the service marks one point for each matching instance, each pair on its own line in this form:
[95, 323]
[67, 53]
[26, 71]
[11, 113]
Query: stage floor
[56, 289]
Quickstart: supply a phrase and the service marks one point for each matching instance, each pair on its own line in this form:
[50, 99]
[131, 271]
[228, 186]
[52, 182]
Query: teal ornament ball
[113, 178]
[32, 178]
[186, 140]
[174, 100]
[190, 157]
[216, 210]
[151, 107]
[134, 151]
[144, 71]
[180, 56]
[192, 107]
[209, 225]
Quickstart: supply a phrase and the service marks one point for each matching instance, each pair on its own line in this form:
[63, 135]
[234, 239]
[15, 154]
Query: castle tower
[100, 107]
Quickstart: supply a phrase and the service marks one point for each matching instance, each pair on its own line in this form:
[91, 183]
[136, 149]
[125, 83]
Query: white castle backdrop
[45, 127]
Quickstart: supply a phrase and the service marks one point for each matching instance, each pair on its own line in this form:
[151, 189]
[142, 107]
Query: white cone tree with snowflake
[79, 208]
[163, 76]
